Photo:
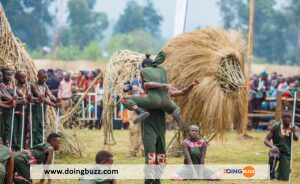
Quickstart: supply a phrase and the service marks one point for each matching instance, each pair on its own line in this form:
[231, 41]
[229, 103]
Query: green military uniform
[153, 130]
[23, 161]
[4, 156]
[283, 143]
[157, 98]
[17, 132]
[7, 115]
[195, 151]
[37, 117]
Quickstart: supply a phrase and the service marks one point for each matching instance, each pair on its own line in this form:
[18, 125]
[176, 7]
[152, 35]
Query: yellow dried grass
[199, 55]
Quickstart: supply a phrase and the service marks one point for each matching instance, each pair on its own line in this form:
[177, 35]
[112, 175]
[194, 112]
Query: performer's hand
[58, 105]
[13, 105]
[29, 97]
[24, 102]
[275, 149]
[195, 83]
[293, 129]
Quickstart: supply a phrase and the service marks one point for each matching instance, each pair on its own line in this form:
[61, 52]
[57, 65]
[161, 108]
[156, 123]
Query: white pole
[12, 121]
[23, 122]
[292, 136]
[43, 122]
[30, 118]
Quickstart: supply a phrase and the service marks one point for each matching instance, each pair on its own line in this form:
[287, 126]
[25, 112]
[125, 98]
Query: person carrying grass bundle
[39, 154]
[6, 164]
[159, 92]
[280, 152]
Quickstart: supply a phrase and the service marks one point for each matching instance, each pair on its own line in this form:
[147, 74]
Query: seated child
[103, 161]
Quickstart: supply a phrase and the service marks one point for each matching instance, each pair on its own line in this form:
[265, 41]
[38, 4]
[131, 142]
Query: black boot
[178, 118]
[141, 115]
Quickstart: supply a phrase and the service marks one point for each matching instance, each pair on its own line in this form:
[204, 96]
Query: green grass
[230, 151]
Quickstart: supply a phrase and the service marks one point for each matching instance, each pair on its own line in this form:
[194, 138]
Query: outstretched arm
[49, 152]
[204, 147]
[184, 91]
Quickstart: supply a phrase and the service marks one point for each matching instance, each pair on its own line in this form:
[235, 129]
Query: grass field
[230, 151]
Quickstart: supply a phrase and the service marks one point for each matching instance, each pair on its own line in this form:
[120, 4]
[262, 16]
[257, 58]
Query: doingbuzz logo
[247, 171]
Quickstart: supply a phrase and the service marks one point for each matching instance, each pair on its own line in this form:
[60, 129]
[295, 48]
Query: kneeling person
[280, 133]
[39, 154]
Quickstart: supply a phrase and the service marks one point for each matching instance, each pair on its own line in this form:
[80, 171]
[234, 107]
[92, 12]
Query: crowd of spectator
[264, 89]
[67, 86]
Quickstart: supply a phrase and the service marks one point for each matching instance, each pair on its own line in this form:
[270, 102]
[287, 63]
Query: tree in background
[138, 40]
[85, 25]
[136, 17]
[29, 20]
[271, 28]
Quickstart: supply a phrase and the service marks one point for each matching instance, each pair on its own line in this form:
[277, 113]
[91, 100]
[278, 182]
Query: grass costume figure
[38, 154]
[280, 152]
[159, 92]
[6, 164]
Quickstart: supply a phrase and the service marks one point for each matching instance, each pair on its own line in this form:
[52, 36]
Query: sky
[200, 13]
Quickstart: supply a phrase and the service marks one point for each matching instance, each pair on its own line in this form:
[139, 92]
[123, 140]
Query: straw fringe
[203, 55]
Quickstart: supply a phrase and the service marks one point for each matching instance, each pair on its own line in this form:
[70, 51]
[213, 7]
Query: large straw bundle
[216, 58]
[121, 68]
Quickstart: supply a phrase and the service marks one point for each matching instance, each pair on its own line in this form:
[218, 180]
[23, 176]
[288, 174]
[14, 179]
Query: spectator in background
[81, 82]
[88, 81]
[65, 90]
[99, 91]
[257, 96]
[282, 84]
[52, 82]
[274, 81]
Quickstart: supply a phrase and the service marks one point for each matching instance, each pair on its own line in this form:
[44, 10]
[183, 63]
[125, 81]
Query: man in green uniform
[8, 93]
[280, 133]
[4, 105]
[42, 97]
[39, 154]
[6, 164]
[156, 85]
[23, 99]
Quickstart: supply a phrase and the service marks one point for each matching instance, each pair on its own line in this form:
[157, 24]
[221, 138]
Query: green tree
[85, 25]
[136, 17]
[92, 51]
[139, 41]
[271, 27]
[29, 20]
